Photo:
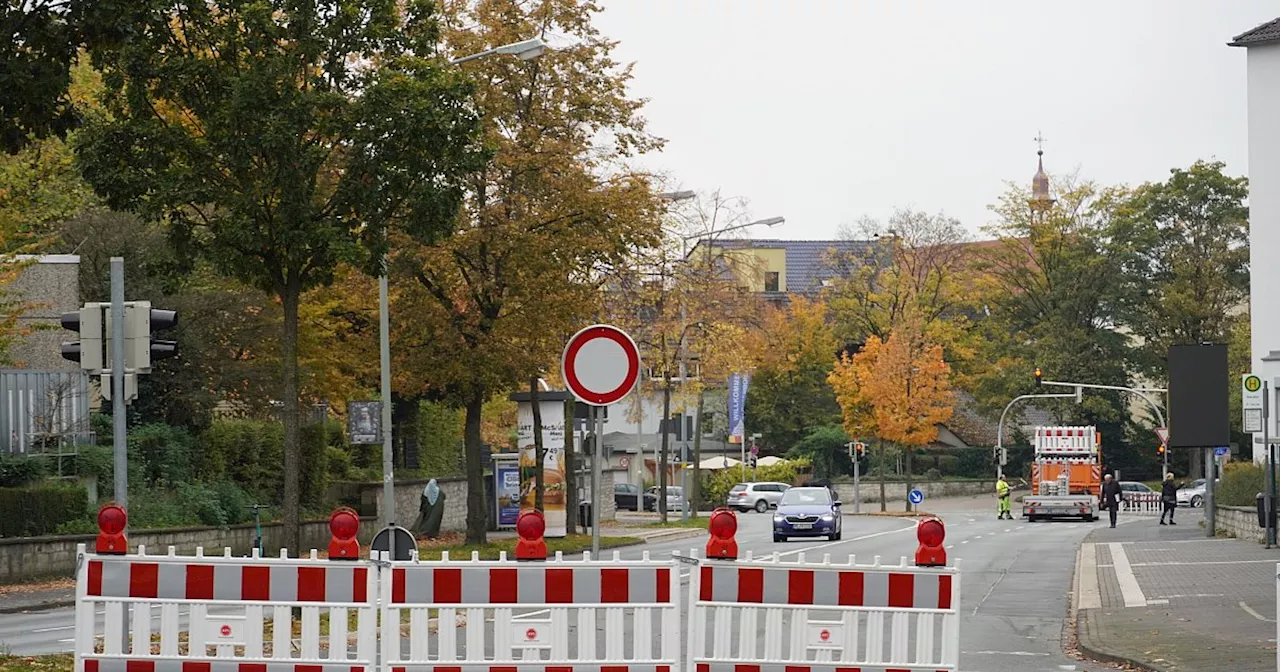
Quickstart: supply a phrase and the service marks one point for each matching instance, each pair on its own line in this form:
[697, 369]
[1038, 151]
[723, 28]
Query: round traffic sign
[1252, 383]
[601, 365]
[915, 496]
[226, 630]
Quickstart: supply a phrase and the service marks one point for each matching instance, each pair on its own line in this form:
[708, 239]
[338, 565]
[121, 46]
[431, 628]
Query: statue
[430, 511]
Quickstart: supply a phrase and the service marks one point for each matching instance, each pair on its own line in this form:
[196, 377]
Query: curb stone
[38, 606]
[1103, 657]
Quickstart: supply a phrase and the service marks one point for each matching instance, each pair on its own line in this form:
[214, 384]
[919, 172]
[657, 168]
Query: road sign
[915, 497]
[1252, 420]
[1163, 433]
[601, 365]
[1221, 450]
[1251, 402]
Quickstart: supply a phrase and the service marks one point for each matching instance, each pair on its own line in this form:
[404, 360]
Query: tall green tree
[274, 137]
[543, 224]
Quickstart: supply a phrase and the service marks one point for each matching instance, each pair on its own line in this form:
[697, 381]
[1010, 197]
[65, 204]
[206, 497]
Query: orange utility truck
[1066, 476]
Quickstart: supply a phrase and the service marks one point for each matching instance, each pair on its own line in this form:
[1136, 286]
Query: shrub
[1241, 483]
[97, 461]
[340, 463]
[933, 474]
[19, 470]
[251, 453]
[40, 509]
[440, 452]
[716, 486]
[162, 454]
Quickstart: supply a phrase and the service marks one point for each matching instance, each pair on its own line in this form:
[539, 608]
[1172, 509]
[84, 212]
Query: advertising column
[553, 438]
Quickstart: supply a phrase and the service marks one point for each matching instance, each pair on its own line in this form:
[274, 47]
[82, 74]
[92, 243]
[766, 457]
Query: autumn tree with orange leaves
[901, 386]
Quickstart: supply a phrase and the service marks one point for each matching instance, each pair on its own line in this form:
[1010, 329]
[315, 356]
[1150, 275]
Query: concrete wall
[38, 557]
[1240, 522]
[52, 285]
[869, 490]
[1264, 208]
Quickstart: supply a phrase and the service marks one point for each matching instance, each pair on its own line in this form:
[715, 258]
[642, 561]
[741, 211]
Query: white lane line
[1206, 562]
[1255, 614]
[1005, 653]
[61, 627]
[805, 549]
[964, 541]
[1021, 527]
[1151, 602]
[1090, 590]
[1010, 529]
[1129, 587]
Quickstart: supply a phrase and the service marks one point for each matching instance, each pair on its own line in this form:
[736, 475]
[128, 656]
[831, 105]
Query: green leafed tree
[275, 137]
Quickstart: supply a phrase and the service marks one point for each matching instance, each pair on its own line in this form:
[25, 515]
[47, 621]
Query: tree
[542, 224]
[905, 382]
[249, 130]
[826, 448]
[793, 350]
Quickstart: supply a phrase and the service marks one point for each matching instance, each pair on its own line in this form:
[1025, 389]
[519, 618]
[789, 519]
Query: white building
[1263, 47]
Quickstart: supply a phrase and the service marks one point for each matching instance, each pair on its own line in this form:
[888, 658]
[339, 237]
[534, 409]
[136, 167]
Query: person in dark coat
[1168, 497]
[1111, 497]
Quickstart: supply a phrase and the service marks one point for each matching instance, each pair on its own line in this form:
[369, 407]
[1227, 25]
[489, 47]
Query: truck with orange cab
[1066, 475]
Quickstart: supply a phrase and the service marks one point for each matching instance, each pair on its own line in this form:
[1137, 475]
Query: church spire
[1041, 199]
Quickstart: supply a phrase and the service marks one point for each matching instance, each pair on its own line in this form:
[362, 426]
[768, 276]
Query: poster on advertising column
[553, 437]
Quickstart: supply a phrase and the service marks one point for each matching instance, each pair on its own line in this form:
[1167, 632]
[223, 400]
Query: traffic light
[861, 448]
[1160, 449]
[140, 321]
[88, 350]
[1039, 378]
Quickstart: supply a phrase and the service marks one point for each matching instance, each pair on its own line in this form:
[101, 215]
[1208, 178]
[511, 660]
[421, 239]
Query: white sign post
[1251, 402]
[601, 365]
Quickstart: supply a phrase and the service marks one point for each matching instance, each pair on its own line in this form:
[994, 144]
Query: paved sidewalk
[1170, 599]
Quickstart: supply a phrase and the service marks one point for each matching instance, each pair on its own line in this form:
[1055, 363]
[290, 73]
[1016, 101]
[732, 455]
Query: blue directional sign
[1221, 450]
[915, 496]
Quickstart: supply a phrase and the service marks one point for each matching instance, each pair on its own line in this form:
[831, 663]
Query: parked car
[1130, 488]
[1192, 494]
[807, 512]
[626, 497]
[758, 496]
[675, 498]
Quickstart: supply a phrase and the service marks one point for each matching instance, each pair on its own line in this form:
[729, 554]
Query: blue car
[807, 512]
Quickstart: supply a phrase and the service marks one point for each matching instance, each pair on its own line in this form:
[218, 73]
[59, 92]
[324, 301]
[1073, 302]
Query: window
[771, 281]
[806, 496]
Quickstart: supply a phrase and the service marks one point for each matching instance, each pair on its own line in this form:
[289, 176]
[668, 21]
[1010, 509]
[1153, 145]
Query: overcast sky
[823, 111]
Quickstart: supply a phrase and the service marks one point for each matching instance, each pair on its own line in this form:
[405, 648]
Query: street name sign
[601, 365]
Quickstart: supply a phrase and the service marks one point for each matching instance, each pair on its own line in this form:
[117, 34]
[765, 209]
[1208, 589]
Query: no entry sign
[601, 365]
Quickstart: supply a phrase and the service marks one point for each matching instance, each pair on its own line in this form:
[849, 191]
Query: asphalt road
[1015, 579]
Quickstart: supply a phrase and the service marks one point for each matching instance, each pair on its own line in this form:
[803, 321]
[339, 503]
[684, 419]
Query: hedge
[38, 510]
[1241, 483]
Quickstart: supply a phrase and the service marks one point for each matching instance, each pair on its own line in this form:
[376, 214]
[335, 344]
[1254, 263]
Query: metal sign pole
[596, 477]
[1270, 500]
[857, 495]
[119, 430]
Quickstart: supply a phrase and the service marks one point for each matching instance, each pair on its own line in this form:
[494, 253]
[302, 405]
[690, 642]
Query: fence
[170, 613]
[44, 411]
[1141, 503]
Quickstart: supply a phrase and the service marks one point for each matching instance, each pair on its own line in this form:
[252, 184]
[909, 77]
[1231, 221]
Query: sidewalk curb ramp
[1075, 616]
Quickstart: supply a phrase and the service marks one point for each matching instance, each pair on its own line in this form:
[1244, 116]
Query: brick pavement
[1194, 603]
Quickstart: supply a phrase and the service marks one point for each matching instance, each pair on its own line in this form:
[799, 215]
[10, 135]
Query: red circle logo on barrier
[226, 630]
[825, 635]
[531, 634]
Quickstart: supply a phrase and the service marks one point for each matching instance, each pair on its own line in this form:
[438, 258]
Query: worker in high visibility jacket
[1002, 495]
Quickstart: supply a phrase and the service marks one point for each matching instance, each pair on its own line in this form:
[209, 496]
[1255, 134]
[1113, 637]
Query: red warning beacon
[111, 523]
[930, 552]
[531, 526]
[344, 524]
[723, 525]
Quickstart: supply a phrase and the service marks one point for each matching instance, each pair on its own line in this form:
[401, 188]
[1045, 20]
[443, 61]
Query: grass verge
[62, 662]
[574, 543]
[695, 523]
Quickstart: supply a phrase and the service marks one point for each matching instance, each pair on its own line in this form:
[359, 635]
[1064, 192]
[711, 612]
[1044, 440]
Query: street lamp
[524, 50]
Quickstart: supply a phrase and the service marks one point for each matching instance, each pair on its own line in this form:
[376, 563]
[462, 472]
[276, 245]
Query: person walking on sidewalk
[1002, 495]
[1168, 497]
[1111, 497]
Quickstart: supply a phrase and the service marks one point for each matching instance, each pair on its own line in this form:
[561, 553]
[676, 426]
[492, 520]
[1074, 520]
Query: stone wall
[869, 490]
[39, 557]
[1240, 522]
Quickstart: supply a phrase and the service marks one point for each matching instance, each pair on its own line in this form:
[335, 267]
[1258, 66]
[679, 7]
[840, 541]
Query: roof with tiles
[1267, 32]
[809, 262]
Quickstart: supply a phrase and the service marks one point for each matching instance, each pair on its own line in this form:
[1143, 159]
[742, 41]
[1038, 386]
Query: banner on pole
[738, 383]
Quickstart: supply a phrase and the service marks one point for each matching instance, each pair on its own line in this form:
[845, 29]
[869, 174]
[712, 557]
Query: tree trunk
[570, 469]
[907, 453]
[880, 453]
[662, 454]
[1196, 469]
[539, 450]
[695, 487]
[477, 509]
[289, 299]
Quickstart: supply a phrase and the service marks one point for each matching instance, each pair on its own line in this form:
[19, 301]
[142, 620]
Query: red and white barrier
[1141, 503]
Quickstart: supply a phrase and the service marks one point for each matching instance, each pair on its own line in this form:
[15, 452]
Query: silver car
[1192, 494]
[758, 496]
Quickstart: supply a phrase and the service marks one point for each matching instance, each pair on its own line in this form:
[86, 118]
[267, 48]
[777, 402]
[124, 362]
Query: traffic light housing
[88, 351]
[1160, 449]
[141, 321]
[1039, 378]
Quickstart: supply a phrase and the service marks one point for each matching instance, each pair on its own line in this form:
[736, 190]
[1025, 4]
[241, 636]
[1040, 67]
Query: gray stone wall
[409, 495]
[40, 557]
[1240, 522]
[52, 284]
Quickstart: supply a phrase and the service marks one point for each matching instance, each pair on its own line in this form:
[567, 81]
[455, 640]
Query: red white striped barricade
[225, 606]
[802, 617]
[1141, 503]
[554, 616]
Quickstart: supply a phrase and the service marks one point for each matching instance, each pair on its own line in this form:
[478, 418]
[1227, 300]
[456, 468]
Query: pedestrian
[1168, 497]
[1111, 497]
[1002, 493]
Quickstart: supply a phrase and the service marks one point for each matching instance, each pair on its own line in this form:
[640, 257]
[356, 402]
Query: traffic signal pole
[119, 433]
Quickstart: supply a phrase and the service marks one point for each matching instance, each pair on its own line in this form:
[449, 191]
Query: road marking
[1174, 597]
[964, 541]
[1255, 614]
[1129, 587]
[1150, 602]
[1021, 527]
[1206, 562]
[806, 549]
[1005, 653]
[1008, 529]
[61, 627]
[1090, 591]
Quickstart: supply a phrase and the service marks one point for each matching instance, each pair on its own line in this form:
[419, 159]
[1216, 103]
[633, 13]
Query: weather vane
[1039, 140]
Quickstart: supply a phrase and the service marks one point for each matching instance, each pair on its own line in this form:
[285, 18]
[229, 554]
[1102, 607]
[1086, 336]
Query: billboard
[738, 383]
[508, 494]
[553, 438]
[1199, 386]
